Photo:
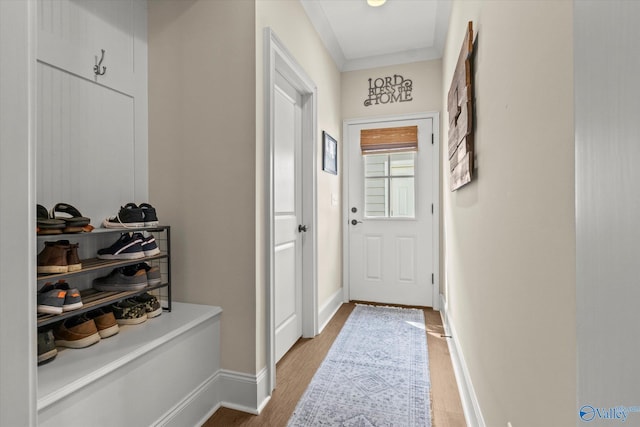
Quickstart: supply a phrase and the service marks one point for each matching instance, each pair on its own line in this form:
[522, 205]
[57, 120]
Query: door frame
[435, 117]
[277, 59]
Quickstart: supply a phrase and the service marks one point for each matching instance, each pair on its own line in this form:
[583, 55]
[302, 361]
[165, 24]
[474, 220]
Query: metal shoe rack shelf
[93, 299]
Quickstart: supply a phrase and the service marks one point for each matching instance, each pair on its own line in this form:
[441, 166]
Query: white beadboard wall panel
[86, 144]
[71, 34]
[607, 205]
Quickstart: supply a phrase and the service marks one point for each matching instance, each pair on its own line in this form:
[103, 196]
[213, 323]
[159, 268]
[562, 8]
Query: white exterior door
[390, 228]
[287, 216]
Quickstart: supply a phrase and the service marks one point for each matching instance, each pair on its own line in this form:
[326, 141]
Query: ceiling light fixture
[376, 3]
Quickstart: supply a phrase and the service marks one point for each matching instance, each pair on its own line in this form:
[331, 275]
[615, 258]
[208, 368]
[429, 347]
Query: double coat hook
[96, 68]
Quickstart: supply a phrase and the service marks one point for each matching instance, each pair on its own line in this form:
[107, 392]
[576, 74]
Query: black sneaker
[149, 245]
[46, 347]
[150, 217]
[126, 247]
[129, 216]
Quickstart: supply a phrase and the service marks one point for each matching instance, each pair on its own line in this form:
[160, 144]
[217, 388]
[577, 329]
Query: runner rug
[375, 374]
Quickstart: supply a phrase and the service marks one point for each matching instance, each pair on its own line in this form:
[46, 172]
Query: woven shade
[375, 141]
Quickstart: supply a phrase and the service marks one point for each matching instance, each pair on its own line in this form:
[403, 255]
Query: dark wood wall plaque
[460, 108]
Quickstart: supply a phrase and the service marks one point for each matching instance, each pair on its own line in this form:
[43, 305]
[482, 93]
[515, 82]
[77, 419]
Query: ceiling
[359, 36]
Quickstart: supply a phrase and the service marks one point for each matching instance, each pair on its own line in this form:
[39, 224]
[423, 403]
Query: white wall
[510, 234]
[607, 103]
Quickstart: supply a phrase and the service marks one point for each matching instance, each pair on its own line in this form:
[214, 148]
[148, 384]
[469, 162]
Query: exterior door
[287, 216]
[390, 202]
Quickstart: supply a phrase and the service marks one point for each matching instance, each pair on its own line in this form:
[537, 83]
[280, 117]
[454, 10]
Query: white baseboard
[244, 392]
[233, 390]
[329, 309]
[470, 405]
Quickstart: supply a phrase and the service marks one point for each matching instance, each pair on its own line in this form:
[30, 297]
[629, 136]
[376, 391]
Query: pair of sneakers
[131, 246]
[136, 310]
[54, 299]
[76, 332]
[133, 216]
[85, 330]
[130, 278]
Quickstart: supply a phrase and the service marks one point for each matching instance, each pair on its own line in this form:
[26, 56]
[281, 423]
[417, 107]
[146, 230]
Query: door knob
[302, 228]
[355, 221]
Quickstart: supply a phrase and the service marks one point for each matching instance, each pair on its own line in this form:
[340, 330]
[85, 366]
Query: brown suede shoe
[76, 332]
[105, 322]
[53, 258]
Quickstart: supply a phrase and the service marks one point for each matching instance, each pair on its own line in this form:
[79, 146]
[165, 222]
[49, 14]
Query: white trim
[435, 231]
[234, 390]
[330, 308]
[319, 20]
[470, 405]
[277, 59]
[435, 117]
[243, 392]
[404, 57]
[18, 372]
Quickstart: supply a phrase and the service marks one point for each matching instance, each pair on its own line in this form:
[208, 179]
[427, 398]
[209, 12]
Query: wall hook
[96, 68]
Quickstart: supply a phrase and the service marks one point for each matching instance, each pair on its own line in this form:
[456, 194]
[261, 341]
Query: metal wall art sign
[387, 90]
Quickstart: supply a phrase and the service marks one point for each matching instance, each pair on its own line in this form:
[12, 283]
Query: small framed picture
[329, 154]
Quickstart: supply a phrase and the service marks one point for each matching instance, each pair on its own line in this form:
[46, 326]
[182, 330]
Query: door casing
[278, 60]
[435, 116]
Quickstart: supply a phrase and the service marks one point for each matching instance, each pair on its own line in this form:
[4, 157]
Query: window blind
[376, 141]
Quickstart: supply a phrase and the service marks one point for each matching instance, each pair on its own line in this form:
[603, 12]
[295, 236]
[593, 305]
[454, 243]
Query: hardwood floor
[297, 367]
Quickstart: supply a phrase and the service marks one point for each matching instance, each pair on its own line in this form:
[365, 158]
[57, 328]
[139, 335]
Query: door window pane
[376, 165]
[402, 198]
[375, 198]
[403, 164]
[389, 185]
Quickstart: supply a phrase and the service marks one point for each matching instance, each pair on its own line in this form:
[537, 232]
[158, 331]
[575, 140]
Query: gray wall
[607, 105]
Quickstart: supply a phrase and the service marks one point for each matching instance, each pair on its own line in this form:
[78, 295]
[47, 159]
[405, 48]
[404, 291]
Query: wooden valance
[375, 141]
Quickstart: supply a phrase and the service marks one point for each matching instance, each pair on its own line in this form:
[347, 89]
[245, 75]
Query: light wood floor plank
[297, 367]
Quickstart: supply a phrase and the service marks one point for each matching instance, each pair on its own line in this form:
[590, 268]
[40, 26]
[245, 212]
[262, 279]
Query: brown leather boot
[53, 258]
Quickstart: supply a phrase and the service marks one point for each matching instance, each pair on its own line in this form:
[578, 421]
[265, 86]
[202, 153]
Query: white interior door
[288, 233]
[390, 200]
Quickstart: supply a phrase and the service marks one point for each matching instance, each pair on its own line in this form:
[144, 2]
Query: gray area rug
[375, 374]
